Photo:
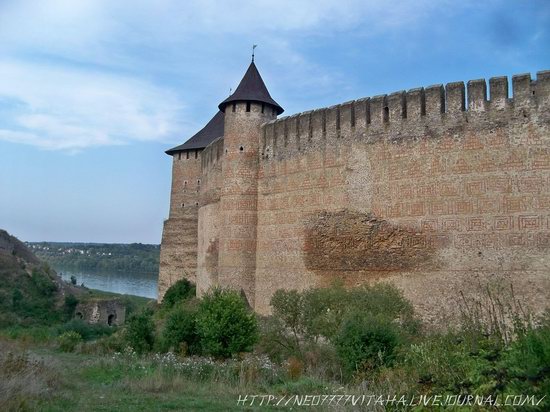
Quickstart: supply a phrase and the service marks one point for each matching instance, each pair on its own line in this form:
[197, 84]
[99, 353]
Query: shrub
[180, 330]
[86, 330]
[289, 308]
[73, 280]
[527, 363]
[319, 313]
[70, 304]
[67, 341]
[16, 298]
[225, 324]
[366, 342]
[139, 333]
[43, 283]
[179, 291]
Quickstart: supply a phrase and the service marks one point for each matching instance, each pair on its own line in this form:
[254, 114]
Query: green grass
[92, 383]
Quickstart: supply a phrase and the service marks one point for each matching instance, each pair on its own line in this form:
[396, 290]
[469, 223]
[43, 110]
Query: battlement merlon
[369, 118]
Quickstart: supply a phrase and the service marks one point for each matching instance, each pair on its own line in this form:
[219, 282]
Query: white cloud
[72, 109]
[101, 72]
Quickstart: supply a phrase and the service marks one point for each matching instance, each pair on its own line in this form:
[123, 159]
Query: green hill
[30, 292]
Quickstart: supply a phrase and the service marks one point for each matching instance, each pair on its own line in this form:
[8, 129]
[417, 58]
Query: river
[135, 283]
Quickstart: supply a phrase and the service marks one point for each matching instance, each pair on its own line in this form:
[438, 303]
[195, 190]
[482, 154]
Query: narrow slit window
[187, 155]
[386, 114]
[234, 107]
[196, 154]
[179, 156]
[247, 106]
[263, 107]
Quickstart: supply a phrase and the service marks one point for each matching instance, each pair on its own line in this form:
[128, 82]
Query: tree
[225, 324]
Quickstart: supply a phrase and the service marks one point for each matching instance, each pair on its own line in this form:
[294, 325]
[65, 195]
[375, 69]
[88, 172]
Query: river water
[135, 283]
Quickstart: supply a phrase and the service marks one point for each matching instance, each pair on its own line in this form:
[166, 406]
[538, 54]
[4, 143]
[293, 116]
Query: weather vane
[253, 47]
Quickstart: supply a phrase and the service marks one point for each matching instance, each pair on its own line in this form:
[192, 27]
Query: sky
[92, 92]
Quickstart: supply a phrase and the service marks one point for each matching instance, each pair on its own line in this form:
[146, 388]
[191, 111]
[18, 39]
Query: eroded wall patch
[351, 241]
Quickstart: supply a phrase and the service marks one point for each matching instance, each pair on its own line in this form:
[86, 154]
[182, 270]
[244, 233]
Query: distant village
[65, 250]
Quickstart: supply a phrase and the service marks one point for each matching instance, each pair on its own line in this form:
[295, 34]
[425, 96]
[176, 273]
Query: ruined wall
[104, 312]
[209, 217]
[178, 252]
[431, 190]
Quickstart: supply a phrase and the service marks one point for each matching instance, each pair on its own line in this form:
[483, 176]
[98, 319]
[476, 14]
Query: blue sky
[93, 91]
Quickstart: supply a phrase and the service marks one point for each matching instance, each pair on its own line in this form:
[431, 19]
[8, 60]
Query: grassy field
[47, 380]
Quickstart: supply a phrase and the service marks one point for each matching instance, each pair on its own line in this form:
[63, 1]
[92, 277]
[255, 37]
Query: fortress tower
[178, 253]
[245, 110]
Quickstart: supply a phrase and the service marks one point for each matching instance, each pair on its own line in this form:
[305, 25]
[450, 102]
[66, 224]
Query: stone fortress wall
[178, 253]
[429, 189]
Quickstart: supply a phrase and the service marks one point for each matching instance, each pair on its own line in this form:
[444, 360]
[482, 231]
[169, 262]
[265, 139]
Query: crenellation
[522, 91]
[435, 101]
[279, 135]
[318, 127]
[498, 92]
[347, 119]
[304, 127]
[361, 108]
[415, 104]
[379, 111]
[542, 89]
[455, 97]
[292, 138]
[477, 95]
[269, 139]
[397, 106]
[332, 122]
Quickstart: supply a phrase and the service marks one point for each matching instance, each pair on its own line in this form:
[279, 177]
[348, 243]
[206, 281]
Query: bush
[85, 330]
[225, 324]
[67, 341]
[527, 363]
[319, 313]
[180, 291]
[366, 342]
[140, 330]
[180, 330]
[73, 280]
[70, 304]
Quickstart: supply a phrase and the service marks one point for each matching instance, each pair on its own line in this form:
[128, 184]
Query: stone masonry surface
[438, 190]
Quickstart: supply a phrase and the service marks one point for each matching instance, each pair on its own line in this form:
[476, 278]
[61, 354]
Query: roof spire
[253, 47]
[251, 89]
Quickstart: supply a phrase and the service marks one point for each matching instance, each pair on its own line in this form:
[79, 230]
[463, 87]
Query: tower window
[263, 107]
[185, 183]
[241, 149]
[196, 154]
[234, 107]
[179, 155]
[386, 114]
[274, 112]
[187, 155]
[183, 205]
[247, 106]
[198, 182]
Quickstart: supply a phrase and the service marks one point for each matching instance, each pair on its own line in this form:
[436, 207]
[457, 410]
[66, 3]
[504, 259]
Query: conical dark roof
[251, 88]
[205, 136]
